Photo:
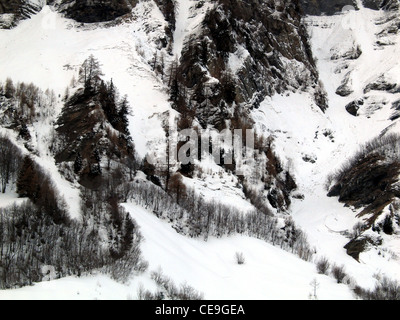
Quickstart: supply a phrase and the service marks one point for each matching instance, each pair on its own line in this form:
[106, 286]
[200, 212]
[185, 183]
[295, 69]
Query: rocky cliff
[89, 11]
[327, 7]
[245, 52]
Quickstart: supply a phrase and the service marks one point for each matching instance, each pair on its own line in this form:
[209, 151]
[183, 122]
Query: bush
[386, 145]
[10, 159]
[339, 273]
[323, 266]
[240, 258]
[385, 289]
[30, 239]
[167, 289]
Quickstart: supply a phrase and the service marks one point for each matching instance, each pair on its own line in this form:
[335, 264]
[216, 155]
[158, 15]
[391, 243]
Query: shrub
[169, 290]
[240, 258]
[385, 289]
[339, 273]
[387, 145]
[323, 266]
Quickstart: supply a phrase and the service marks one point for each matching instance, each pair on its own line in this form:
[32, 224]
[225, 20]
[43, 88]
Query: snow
[9, 198]
[188, 21]
[321, 217]
[210, 267]
[213, 183]
[47, 42]
[94, 287]
[300, 129]
[237, 59]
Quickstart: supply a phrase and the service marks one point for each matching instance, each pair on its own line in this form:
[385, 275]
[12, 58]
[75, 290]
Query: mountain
[131, 124]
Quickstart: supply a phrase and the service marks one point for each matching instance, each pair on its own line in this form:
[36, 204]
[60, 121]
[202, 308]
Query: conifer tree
[78, 164]
[9, 89]
[27, 182]
[123, 115]
[90, 73]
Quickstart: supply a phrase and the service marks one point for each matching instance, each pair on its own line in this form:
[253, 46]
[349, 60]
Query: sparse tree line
[385, 288]
[31, 240]
[40, 233]
[21, 104]
[167, 290]
[386, 146]
[196, 217]
[92, 133]
[245, 154]
[10, 158]
[115, 108]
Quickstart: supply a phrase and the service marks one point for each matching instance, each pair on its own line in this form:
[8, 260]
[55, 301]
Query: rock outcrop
[17, 10]
[327, 7]
[381, 4]
[370, 180]
[245, 52]
[89, 11]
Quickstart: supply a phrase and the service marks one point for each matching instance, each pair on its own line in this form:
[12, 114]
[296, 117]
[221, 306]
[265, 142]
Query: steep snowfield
[46, 42]
[40, 141]
[188, 18]
[210, 267]
[329, 139]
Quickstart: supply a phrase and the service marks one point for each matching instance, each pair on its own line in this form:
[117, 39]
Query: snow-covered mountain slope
[210, 267]
[355, 52]
[47, 42]
[317, 145]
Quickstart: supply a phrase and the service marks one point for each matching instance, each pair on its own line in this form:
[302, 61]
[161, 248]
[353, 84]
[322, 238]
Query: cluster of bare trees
[10, 157]
[196, 217]
[34, 183]
[26, 103]
[386, 146]
[30, 240]
[385, 289]
[168, 290]
[39, 233]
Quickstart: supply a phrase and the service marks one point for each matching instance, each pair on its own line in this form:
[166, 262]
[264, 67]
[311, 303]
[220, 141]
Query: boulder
[354, 106]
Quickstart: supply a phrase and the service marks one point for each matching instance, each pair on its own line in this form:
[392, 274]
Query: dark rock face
[168, 8]
[352, 54]
[275, 43]
[331, 7]
[327, 7]
[354, 106]
[10, 6]
[89, 11]
[381, 85]
[361, 244]
[19, 8]
[370, 183]
[355, 247]
[381, 4]
[82, 133]
[345, 88]
[86, 11]
[396, 113]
